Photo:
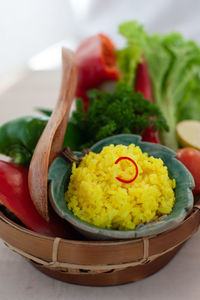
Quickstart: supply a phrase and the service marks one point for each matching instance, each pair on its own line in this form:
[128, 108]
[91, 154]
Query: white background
[27, 27]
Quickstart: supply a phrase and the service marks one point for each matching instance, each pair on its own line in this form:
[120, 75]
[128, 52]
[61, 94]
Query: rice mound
[97, 197]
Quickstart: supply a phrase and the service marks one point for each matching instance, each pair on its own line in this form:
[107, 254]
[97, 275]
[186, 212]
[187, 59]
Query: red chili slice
[136, 169]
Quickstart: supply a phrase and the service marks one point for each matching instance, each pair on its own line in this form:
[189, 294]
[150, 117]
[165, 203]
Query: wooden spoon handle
[51, 140]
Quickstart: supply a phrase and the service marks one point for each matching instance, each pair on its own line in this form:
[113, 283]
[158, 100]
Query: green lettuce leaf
[174, 66]
[128, 58]
[188, 108]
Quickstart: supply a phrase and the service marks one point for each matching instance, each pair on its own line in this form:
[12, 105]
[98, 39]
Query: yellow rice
[97, 197]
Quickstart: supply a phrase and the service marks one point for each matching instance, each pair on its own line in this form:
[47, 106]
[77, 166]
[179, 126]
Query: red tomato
[190, 157]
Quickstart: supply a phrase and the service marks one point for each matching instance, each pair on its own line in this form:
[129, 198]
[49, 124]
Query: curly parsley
[120, 112]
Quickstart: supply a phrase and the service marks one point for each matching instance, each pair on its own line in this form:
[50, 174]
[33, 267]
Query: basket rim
[21, 228]
[32, 233]
[59, 252]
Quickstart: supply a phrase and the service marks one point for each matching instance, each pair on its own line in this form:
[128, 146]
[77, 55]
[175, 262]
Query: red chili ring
[136, 169]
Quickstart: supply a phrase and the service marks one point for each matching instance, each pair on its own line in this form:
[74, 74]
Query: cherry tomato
[190, 157]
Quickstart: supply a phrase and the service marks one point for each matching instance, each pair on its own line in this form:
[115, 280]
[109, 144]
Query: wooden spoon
[51, 140]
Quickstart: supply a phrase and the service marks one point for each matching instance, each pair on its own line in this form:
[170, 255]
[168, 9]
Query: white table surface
[180, 279]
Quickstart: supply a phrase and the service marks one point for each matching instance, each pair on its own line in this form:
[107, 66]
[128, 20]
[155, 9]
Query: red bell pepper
[14, 195]
[143, 85]
[142, 81]
[96, 63]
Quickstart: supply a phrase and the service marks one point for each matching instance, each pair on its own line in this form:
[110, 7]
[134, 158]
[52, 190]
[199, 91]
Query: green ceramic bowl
[59, 175]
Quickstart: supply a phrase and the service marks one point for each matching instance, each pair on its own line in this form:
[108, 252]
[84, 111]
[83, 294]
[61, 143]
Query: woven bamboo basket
[98, 263]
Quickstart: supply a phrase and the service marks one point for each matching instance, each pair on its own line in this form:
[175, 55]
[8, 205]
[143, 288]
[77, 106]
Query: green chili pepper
[19, 137]
[73, 137]
[44, 111]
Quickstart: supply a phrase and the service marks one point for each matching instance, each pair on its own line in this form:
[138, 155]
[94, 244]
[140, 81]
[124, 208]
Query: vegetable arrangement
[156, 86]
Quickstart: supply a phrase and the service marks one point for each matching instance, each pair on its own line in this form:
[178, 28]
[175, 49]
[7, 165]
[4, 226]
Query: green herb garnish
[120, 112]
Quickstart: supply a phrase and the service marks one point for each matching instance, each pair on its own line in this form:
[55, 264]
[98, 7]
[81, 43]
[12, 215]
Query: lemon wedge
[188, 133]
